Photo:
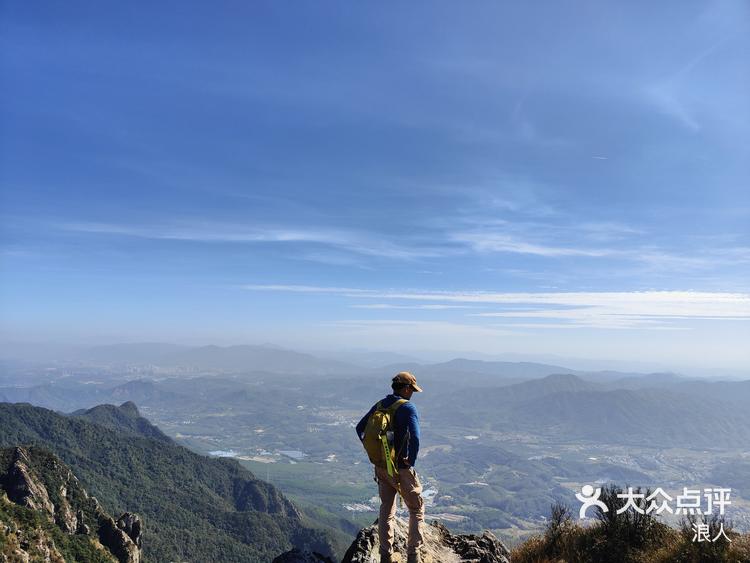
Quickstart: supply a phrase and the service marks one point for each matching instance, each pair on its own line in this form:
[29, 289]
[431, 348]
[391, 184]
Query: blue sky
[499, 177]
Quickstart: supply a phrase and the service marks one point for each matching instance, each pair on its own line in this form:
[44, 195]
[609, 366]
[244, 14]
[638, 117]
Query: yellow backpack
[376, 441]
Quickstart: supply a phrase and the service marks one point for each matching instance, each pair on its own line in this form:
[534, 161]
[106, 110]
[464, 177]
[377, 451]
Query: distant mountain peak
[566, 378]
[125, 418]
[130, 409]
[554, 383]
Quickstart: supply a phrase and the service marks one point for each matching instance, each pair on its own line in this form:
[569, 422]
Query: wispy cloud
[306, 289]
[605, 240]
[609, 230]
[435, 307]
[633, 310]
[351, 241]
[469, 234]
[335, 258]
[496, 242]
[668, 95]
[667, 101]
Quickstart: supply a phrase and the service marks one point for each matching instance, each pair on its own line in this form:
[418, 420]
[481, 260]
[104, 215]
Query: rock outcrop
[117, 540]
[24, 489]
[441, 546]
[132, 526]
[48, 497]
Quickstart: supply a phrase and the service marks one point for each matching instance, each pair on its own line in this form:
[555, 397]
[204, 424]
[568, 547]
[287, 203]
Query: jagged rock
[82, 528]
[441, 546]
[131, 525]
[64, 515]
[482, 549]
[23, 488]
[299, 556]
[118, 541]
[366, 546]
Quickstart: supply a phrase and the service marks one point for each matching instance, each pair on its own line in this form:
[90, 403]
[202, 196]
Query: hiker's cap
[406, 378]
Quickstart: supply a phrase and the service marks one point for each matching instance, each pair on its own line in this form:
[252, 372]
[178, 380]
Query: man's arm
[413, 427]
[363, 423]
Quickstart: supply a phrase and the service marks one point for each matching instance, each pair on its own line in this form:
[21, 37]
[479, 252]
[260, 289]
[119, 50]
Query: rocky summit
[441, 546]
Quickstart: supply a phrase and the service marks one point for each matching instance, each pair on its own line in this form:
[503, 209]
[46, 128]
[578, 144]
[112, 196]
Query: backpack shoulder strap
[395, 405]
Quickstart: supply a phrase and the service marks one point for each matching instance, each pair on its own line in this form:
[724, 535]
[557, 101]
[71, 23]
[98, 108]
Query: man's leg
[411, 490]
[387, 493]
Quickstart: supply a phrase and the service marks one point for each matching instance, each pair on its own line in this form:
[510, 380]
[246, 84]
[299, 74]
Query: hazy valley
[501, 441]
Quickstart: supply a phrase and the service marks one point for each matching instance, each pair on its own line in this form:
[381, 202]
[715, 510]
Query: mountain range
[194, 508]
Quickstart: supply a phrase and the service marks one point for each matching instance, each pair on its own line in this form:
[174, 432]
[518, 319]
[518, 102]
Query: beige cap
[406, 378]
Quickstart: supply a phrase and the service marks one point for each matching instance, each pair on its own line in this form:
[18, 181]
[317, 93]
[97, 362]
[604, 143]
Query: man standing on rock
[404, 480]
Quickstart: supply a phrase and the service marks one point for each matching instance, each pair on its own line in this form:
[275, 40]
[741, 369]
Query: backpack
[376, 440]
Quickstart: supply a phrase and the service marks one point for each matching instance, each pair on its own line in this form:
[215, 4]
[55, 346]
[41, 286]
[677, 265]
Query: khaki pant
[411, 490]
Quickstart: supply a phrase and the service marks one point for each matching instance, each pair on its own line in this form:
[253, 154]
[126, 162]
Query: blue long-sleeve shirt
[405, 429]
